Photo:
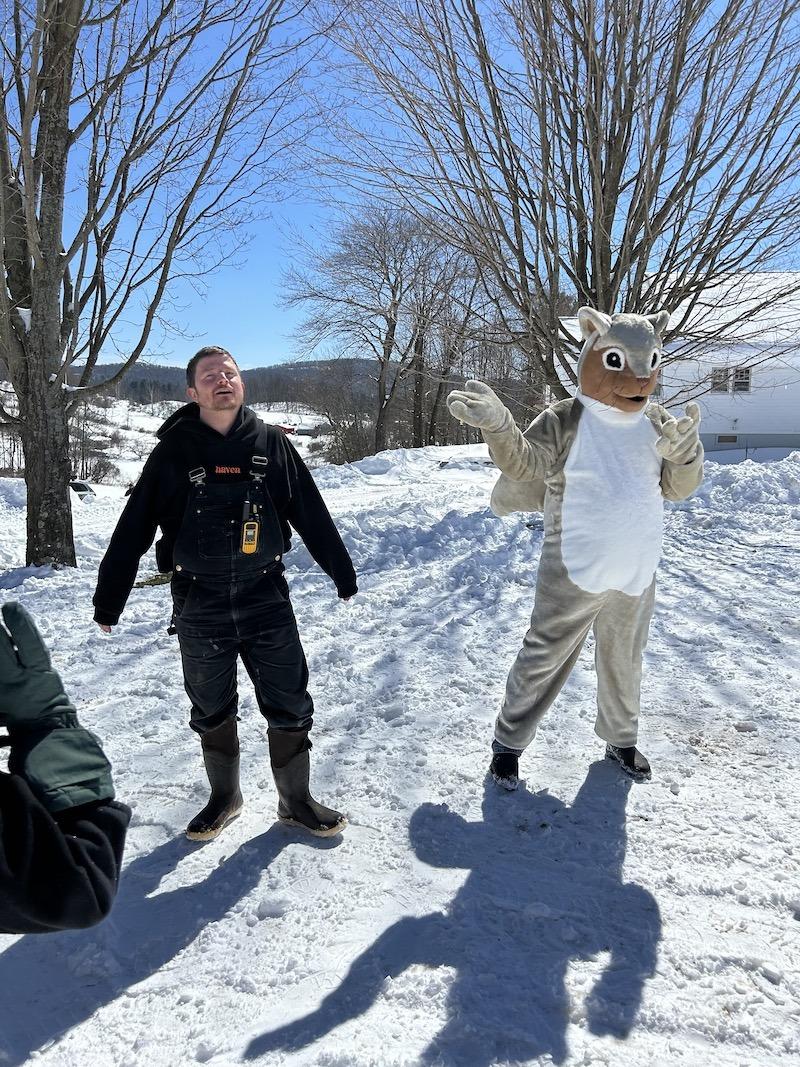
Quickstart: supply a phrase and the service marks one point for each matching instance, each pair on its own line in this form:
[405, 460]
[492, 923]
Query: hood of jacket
[186, 420]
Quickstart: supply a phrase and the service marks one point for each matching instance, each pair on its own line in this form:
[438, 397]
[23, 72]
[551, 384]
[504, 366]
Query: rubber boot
[288, 753]
[221, 757]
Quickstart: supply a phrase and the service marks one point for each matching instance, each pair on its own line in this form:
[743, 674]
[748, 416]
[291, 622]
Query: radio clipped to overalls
[251, 515]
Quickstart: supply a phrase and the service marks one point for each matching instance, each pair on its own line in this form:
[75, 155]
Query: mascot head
[620, 358]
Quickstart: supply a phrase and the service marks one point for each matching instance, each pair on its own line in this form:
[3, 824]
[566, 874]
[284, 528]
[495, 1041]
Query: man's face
[218, 386]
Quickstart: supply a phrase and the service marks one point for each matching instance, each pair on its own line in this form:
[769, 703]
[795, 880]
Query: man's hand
[679, 438]
[31, 693]
[479, 405]
[104, 628]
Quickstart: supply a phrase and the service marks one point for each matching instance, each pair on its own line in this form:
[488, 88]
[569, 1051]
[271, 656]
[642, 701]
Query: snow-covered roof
[761, 308]
[770, 301]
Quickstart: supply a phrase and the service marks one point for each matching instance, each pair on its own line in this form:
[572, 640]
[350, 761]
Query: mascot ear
[593, 322]
[659, 322]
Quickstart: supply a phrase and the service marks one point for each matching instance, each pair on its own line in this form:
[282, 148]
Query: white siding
[771, 407]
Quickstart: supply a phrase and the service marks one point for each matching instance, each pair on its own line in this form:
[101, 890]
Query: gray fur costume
[600, 472]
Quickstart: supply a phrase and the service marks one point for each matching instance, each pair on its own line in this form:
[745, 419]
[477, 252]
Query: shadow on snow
[545, 889]
[54, 982]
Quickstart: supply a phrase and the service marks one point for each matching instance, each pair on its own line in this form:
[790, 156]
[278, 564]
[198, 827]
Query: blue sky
[241, 306]
[242, 310]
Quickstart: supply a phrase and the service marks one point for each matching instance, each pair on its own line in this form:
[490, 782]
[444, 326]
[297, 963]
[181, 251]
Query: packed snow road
[582, 920]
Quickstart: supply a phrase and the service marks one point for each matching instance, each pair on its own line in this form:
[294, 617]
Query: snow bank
[729, 485]
[13, 495]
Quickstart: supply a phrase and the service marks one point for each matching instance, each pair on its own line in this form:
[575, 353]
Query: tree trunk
[45, 429]
[381, 411]
[434, 416]
[418, 380]
[45, 444]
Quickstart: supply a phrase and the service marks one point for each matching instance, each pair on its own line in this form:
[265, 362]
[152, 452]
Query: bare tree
[362, 293]
[336, 392]
[10, 452]
[135, 137]
[386, 288]
[444, 308]
[634, 152]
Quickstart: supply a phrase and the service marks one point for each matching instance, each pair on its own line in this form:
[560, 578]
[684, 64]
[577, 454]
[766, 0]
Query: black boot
[633, 763]
[288, 753]
[504, 768]
[221, 757]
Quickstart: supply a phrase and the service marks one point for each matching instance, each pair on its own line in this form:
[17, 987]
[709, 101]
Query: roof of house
[759, 308]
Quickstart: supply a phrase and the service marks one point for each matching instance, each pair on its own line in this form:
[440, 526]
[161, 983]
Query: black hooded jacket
[160, 495]
[57, 872]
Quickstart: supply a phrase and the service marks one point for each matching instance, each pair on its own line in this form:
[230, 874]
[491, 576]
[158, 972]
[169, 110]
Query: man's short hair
[209, 350]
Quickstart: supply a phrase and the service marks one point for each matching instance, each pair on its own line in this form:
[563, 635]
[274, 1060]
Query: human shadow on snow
[545, 889]
[53, 983]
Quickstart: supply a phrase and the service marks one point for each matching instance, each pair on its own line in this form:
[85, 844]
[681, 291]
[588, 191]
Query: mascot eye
[655, 359]
[613, 359]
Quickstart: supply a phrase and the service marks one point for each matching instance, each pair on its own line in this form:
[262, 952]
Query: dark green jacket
[57, 871]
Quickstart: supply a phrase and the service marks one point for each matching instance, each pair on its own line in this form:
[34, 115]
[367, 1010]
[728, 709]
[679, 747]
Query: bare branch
[640, 151]
[136, 140]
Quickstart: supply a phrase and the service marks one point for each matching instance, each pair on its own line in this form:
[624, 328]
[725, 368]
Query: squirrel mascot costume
[599, 465]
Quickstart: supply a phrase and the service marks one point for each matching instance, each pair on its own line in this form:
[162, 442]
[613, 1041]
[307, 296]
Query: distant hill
[149, 383]
[144, 383]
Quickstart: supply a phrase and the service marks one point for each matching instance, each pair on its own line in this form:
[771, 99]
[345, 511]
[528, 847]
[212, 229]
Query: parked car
[83, 489]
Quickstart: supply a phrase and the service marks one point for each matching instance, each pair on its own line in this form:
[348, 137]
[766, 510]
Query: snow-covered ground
[136, 426]
[581, 920]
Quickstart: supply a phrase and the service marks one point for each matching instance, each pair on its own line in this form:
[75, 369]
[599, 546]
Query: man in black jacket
[61, 832]
[224, 487]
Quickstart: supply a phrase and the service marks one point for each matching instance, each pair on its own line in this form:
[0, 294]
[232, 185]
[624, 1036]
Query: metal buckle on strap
[197, 476]
[258, 467]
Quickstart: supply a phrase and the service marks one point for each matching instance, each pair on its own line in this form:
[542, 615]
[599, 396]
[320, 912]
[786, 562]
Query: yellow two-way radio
[250, 536]
[250, 529]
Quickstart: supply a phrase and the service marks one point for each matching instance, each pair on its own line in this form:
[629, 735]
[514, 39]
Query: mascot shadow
[52, 983]
[545, 889]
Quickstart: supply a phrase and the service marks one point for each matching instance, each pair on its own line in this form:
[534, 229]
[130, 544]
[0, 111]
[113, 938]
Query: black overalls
[231, 599]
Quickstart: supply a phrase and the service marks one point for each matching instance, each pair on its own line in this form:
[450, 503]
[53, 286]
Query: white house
[749, 396]
[748, 384]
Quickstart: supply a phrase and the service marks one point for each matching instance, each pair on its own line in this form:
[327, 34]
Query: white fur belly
[613, 511]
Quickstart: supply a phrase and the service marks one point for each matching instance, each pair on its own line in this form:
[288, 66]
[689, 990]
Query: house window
[719, 380]
[727, 439]
[741, 380]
